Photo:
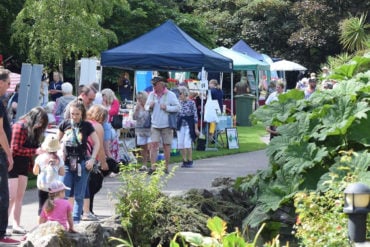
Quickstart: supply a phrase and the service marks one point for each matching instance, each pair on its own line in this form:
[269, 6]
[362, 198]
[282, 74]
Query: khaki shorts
[166, 134]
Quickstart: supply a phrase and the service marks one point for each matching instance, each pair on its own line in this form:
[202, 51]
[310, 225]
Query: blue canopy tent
[165, 48]
[244, 48]
[242, 62]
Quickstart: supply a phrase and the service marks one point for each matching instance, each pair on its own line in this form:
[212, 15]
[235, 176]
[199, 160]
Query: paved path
[200, 176]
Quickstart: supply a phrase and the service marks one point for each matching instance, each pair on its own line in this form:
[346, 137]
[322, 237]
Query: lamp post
[357, 198]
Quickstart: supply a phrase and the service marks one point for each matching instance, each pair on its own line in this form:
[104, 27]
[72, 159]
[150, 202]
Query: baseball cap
[57, 186]
[157, 79]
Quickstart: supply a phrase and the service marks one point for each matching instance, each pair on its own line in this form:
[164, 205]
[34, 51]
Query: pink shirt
[114, 109]
[60, 212]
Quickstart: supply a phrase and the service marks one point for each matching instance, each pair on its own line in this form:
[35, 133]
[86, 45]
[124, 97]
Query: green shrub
[140, 198]
[150, 217]
[219, 237]
[321, 221]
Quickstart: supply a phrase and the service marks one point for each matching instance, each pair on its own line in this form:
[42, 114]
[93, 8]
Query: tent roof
[243, 47]
[167, 48]
[242, 61]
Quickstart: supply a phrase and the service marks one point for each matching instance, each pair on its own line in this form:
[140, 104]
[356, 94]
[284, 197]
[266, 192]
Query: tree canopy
[54, 31]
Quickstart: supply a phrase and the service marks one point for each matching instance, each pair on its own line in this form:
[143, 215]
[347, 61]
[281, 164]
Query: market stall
[165, 48]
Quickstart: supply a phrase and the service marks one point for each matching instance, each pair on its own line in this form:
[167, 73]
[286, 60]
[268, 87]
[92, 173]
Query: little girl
[57, 208]
[48, 166]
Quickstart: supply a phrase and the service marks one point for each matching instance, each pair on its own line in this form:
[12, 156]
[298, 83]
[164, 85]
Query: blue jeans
[4, 194]
[78, 187]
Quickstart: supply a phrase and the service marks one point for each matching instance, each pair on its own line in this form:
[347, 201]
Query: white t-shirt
[48, 173]
[98, 99]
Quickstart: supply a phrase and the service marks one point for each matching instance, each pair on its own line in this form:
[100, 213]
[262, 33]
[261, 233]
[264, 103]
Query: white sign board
[89, 73]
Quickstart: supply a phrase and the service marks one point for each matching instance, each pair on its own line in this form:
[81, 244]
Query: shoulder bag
[117, 121]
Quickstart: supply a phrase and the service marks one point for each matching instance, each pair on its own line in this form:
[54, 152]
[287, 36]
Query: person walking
[161, 102]
[96, 115]
[27, 134]
[142, 128]
[6, 160]
[187, 127]
[74, 132]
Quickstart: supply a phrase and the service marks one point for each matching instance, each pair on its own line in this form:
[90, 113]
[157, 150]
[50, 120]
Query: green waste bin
[244, 108]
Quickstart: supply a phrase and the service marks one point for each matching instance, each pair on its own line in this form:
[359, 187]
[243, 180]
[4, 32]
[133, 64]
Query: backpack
[47, 175]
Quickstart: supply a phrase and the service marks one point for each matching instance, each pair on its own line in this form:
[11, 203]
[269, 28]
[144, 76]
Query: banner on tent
[143, 81]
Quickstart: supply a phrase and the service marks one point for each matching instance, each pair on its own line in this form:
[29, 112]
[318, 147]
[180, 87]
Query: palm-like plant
[354, 33]
[338, 60]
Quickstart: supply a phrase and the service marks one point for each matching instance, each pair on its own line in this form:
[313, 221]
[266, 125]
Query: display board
[29, 90]
[232, 138]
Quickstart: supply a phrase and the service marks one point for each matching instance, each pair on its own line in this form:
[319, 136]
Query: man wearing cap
[6, 160]
[160, 103]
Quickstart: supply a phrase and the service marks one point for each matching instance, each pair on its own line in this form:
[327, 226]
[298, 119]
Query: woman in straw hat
[48, 167]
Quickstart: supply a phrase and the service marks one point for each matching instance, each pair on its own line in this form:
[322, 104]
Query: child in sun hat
[56, 207]
[48, 167]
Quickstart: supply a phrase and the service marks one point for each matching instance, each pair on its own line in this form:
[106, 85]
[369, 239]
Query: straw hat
[51, 144]
[57, 186]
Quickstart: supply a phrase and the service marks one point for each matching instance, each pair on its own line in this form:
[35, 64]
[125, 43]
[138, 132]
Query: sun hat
[50, 144]
[57, 186]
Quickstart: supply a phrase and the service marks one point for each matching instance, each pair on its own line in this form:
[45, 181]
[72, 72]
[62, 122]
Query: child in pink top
[57, 208]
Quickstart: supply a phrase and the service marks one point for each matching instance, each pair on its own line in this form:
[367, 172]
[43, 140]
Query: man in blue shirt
[55, 86]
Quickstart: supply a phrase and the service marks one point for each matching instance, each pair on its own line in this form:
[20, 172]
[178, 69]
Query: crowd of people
[84, 139]
[83, 142]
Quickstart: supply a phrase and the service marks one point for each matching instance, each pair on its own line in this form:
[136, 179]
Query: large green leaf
[355, 166]
[359, 131]
[307, 155]
[258, 215]
[340, 117]
[275, 193]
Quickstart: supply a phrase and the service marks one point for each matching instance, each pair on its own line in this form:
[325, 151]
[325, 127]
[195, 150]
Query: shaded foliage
[46, 31]
[354, 33]
[314, 134]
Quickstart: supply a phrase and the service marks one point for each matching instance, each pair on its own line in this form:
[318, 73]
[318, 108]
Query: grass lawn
[249, 140]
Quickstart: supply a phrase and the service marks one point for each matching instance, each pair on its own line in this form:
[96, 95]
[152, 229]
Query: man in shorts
[160, 103]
